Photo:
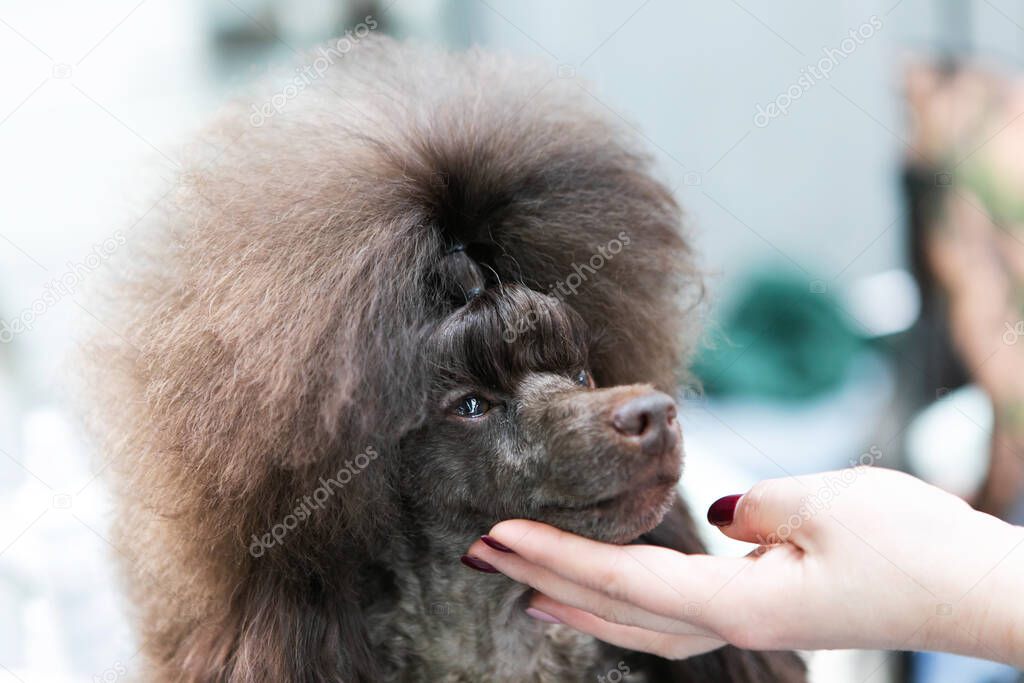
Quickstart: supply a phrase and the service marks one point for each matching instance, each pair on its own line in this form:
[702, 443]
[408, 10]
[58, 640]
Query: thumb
[767, 514]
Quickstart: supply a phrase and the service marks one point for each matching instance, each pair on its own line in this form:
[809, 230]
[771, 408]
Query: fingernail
[542, 616]
[722, 510]
[478, 564]
[500, 547]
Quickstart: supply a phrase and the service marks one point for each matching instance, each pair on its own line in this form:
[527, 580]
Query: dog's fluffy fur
[279, 323]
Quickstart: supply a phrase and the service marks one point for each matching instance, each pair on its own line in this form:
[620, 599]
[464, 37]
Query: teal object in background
[777, 339]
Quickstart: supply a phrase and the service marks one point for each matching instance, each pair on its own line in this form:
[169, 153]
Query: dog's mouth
[622, 515]
[655, 486]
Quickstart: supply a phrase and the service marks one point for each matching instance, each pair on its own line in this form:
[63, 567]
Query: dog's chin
[621, 517]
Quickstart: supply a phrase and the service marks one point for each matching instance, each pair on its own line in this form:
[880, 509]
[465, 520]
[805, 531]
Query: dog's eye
[471, 406]
[582, 378]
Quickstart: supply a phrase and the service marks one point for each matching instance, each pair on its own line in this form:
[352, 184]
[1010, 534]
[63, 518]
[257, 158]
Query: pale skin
[884, 561]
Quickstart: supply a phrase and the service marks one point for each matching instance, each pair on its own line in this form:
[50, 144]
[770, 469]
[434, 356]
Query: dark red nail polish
[721, 511]
[497, 545]
[478, 564]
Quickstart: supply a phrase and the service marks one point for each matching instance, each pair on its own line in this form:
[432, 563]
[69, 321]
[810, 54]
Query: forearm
[984, 616]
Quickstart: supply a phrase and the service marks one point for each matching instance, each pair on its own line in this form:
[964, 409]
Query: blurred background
[851, 172]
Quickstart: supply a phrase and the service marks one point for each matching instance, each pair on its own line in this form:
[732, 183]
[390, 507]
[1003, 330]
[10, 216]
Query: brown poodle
[426, 293]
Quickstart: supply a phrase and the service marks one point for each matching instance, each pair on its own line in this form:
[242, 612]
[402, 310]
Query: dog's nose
[650, 419]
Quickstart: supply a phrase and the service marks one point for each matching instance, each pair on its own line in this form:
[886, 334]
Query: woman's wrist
[1001, 597]
[982, 615]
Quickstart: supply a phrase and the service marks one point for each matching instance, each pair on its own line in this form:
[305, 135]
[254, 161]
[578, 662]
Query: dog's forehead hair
[506, 334]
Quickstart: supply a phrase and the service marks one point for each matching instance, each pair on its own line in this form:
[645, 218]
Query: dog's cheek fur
[475, 474]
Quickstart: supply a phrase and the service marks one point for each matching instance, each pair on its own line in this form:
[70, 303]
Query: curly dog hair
[358, 334]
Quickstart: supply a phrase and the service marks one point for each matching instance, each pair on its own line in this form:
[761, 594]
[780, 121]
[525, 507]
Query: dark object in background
[245, 33]
[937, 367]
[965, 171]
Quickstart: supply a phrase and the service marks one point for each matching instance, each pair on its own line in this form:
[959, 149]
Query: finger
[581, 597]
[771, 512]
[669, 646]
[657, 580]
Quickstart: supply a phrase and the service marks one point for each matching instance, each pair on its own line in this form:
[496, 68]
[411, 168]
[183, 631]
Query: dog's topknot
[274, 317]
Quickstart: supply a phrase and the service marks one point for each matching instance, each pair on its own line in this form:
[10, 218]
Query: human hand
[871, 558]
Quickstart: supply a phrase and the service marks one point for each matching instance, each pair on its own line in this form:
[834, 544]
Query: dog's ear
[259, 349]
[262, 344]
[254, 375]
